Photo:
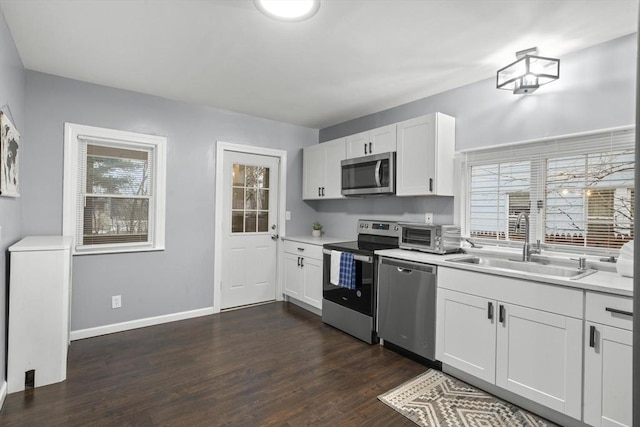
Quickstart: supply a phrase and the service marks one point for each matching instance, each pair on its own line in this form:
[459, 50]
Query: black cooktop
[365, 245]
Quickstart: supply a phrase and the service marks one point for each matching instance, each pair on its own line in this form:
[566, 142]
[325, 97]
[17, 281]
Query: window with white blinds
[577, 190]
[114, 190]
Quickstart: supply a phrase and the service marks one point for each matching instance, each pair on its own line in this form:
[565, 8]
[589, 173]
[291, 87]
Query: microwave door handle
[378, 180]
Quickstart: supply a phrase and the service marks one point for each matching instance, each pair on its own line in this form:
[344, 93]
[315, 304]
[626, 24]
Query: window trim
[72, 133]
[533, 146]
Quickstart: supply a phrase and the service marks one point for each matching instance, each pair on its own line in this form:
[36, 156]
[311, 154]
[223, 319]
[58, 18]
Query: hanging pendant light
[528, 73]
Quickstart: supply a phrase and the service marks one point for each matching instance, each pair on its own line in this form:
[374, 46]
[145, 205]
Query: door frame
[222, 148]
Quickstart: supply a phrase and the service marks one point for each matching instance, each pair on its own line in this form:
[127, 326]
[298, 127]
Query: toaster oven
[437, 239]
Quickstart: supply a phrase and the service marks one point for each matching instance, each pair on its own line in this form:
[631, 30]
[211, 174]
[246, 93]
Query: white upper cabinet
[425, 149]
[375, 141]
[321, 170]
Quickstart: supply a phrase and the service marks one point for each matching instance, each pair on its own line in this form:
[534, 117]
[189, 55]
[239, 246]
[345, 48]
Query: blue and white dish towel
[343, 270]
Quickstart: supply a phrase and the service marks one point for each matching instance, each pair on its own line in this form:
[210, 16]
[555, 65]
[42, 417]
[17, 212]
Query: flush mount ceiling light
[288, 10]
[528, 73]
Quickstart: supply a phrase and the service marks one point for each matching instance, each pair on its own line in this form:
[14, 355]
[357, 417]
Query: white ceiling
[355, 57]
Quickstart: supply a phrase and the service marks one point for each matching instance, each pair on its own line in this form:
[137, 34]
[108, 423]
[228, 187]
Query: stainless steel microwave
[373, 175]
[437, 239]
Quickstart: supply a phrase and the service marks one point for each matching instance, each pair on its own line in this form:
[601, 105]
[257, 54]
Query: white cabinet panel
[303, 272]
[39, 310]
[292, 275]
[466, 334]
[375, 141]
[425, 149]
[321, 170]
[539, 355]
[608, 376]
[312, 271]
[608, 356]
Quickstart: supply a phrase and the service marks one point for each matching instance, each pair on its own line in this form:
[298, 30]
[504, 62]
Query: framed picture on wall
[9, 149]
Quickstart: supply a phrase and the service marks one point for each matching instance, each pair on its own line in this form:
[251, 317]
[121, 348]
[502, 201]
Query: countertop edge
[601, 281]
[322, 240]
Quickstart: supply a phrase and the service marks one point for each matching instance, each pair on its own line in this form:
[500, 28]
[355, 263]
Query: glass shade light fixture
[288, 10]
[528, 73]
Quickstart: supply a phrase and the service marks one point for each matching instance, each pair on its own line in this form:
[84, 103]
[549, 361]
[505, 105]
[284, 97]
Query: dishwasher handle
[408, 266]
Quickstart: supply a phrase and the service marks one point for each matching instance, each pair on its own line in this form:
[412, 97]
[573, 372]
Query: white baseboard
[3, 393]
[139, 323]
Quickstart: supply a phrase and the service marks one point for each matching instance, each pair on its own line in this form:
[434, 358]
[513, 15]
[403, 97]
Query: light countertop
[322, 240]
[603, 280]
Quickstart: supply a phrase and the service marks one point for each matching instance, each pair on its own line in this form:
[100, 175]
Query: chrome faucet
[526, 249]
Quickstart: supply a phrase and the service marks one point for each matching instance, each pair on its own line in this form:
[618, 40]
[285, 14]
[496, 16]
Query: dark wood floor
[270, 365]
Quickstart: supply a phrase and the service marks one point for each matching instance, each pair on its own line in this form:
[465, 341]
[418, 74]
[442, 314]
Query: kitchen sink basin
[527, 267]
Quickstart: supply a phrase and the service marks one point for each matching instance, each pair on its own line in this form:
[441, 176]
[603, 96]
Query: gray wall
[151, 283]
[596, 90]
[12, 93]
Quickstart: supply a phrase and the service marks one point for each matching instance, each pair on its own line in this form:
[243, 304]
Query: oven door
[362, 299]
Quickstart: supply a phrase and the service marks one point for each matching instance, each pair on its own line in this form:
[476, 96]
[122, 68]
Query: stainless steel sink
[527, 267]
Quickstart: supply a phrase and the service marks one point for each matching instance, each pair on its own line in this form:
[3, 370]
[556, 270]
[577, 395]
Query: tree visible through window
[589, 199]
[116, 205]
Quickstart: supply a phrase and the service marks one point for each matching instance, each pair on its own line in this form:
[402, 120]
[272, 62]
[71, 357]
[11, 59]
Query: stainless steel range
[353, 309]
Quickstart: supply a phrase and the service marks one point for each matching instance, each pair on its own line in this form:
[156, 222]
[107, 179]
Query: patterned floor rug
[434, 399]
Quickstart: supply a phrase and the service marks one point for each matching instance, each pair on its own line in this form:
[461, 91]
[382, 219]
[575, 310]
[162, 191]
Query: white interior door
[249, 229]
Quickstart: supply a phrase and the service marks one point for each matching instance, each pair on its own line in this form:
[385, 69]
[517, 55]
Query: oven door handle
[363, 258]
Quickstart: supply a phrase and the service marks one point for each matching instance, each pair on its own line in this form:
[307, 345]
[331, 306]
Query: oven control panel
[378, 228]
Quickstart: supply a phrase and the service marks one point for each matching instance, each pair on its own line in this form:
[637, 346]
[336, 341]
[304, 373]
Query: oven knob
[395, 228]
[361, 225]
[358, 294]
[366, 226]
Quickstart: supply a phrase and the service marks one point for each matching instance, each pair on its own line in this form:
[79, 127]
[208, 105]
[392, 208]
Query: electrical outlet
[428, 218]
[116, 301]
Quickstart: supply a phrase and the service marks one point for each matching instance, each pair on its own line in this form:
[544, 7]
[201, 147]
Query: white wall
[151, 283]
[12, 92]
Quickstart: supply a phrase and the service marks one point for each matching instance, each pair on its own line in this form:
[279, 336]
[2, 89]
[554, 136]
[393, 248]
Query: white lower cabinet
[513, 333]
[538, 356]
[608, 361]
[466, 336]
[303, 272]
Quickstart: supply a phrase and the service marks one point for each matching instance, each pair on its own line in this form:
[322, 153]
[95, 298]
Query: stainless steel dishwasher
[407, 305]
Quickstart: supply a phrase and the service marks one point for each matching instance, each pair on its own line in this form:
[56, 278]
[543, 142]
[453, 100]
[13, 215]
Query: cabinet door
[383, 139]
[313, 171]
[539, 356]
[416, 157]
[292, 275]
[607, 376]
[358, 145]
[466, 333]
[312, 272]
[336, 152]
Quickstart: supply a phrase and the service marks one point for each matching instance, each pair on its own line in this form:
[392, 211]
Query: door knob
[273, 227]
[274, 237]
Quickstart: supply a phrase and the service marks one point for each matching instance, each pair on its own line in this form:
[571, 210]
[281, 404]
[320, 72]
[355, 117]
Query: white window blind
[114, 190]
[578, 190]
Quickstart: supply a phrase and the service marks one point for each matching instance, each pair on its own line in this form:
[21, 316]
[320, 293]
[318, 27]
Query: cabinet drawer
[609, 310]
[303, 249]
